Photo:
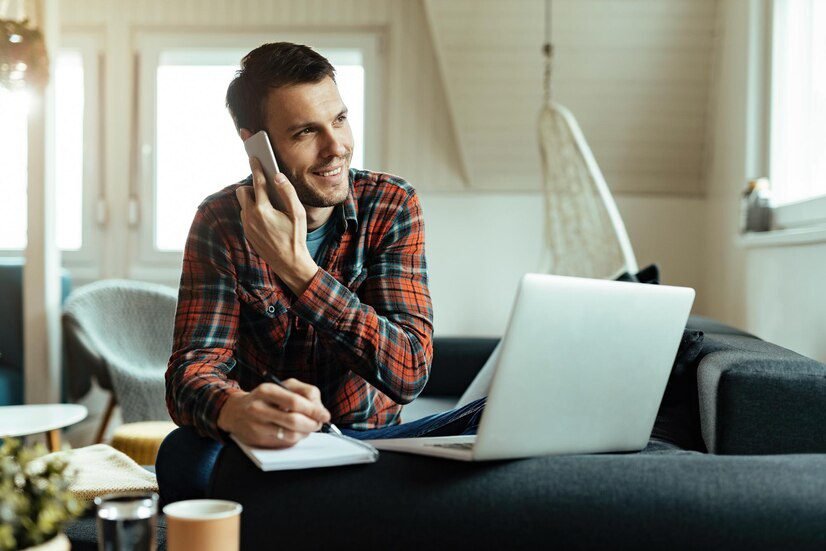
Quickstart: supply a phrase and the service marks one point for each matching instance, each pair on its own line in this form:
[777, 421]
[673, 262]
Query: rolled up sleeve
[206, 326]
[384, 330]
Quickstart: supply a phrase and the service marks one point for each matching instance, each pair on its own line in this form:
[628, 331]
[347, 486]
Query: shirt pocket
[264, 320]
[262, 301]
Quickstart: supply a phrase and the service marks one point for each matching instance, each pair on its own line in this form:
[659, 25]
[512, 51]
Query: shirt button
[271, 309]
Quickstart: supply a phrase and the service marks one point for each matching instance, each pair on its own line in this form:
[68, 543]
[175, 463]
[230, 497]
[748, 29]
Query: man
[329, 294]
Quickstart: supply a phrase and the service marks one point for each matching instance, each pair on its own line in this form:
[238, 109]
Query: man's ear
[245, 134]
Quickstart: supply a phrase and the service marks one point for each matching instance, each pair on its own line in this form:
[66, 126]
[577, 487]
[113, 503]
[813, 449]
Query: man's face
[313, 143]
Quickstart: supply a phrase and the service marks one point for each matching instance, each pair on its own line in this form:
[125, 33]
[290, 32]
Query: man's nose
[335, 144]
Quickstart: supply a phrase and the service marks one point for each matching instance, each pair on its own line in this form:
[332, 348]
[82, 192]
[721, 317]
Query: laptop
[582, 368]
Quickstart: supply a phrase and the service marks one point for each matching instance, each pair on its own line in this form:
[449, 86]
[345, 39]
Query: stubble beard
[312, 197]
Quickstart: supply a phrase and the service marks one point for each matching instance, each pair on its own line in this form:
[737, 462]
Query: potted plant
[35, 501]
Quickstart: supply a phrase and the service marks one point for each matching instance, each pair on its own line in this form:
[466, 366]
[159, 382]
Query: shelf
[780, 238]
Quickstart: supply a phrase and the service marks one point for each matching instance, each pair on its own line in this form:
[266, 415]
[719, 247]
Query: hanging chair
[584, 233]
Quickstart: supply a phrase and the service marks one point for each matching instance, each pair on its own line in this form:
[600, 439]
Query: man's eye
[342, 118]
[307, 131]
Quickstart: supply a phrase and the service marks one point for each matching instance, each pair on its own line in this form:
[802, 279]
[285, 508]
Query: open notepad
[317, 450]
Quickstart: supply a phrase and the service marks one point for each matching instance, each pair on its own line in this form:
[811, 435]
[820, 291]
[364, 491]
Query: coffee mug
[203, 524]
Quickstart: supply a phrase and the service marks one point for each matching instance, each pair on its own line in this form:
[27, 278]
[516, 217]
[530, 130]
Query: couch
[11, 334]
[755, 480]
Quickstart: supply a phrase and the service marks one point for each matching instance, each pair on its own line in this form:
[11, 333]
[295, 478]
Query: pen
[325, 427]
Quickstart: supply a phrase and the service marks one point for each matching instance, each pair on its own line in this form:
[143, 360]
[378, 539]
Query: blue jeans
[186, 460]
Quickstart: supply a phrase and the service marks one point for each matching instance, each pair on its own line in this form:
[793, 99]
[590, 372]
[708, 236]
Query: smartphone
[258, 146]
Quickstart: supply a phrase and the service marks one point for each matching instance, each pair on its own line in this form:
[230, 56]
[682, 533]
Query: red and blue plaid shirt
[361, 332]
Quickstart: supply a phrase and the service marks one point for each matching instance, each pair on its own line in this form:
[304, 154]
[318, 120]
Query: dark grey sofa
[761, 410]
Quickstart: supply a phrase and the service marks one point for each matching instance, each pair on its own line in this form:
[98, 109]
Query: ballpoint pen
[325, 427]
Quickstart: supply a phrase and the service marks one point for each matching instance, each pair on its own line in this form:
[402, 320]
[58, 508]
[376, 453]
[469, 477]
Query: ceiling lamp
[23, 59]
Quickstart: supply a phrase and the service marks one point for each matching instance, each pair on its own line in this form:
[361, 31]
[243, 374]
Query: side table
[37, 418]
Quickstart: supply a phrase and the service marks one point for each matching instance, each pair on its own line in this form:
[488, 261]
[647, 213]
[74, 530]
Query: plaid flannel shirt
[361, 332]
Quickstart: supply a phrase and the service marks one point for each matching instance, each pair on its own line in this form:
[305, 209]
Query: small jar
[755, 206]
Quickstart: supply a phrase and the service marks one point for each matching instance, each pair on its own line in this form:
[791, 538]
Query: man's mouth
[329, 172]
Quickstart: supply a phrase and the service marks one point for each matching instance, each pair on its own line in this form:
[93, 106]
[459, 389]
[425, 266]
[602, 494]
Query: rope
[548, 52]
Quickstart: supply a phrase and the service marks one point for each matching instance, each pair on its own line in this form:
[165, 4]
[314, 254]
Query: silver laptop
[582, 369]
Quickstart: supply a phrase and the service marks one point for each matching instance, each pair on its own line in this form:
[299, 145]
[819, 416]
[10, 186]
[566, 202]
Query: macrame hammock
[584, 233]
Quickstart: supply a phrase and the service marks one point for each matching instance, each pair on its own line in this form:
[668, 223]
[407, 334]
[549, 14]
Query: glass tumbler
[127, 522]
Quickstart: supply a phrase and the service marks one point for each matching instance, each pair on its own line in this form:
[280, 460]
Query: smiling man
[329, 294]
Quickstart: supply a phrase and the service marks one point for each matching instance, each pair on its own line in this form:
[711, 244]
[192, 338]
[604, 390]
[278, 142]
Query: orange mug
[203, 524]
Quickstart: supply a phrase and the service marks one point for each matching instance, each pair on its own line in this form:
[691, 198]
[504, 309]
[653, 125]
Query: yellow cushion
[141, 441]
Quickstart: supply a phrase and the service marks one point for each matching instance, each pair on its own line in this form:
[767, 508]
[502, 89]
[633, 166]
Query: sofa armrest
[759, 398]
[456, 361]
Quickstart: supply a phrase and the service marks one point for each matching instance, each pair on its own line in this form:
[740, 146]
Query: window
[71, 81]
[69, 109]
[189, 146]
[197, 149]
[13, 152]
[798, 112]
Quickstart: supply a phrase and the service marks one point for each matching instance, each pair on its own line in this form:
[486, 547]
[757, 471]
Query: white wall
[777, 292]
[479, 244]
[785, 297]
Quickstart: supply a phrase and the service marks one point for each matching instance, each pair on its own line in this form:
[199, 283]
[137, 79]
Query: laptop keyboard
[455, 446]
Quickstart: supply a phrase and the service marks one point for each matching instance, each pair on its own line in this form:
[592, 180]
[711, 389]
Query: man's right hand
[272, 417]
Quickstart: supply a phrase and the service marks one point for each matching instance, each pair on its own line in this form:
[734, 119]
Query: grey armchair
[119, 332]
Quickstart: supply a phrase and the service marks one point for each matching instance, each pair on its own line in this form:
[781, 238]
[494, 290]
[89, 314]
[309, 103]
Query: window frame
[14, 253]
[84, 263]
[149, 262]
[808, 212]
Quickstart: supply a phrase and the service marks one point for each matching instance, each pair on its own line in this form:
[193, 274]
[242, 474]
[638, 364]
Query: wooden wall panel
[635, 73]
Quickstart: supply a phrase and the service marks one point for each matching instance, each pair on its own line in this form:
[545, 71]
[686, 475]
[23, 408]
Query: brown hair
[271, 66]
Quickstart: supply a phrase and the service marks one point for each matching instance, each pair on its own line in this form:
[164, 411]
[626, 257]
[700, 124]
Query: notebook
[317, 450]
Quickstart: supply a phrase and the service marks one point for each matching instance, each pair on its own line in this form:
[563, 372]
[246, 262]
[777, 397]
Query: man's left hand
[280, 238]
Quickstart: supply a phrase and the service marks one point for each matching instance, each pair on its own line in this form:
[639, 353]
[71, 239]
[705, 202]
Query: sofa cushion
[479, 387]
[678, 419]
[427, 405]
[711, 326]
[456, 361]
[667, 500]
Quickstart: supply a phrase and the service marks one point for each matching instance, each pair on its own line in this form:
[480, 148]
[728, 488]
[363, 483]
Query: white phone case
[258, 146]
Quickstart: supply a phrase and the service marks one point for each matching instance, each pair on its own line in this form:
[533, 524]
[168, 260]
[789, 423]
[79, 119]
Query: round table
[37, 418]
